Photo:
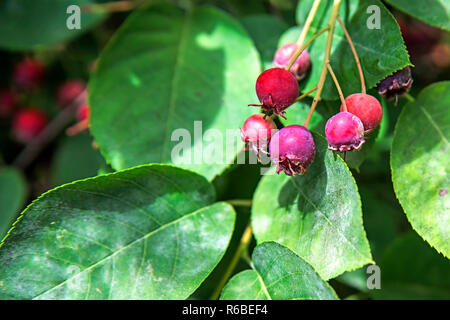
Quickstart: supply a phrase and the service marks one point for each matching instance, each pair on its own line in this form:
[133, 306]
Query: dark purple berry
[344, 132]
[396, 84]
[276, 89]
[292, 149]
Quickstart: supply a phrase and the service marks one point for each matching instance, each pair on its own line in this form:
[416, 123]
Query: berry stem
[308, 23]
[299, 51]
[326, 60]
[241, 252]
[338, 87]
[409, 97]
[306, 93]
[358, 64]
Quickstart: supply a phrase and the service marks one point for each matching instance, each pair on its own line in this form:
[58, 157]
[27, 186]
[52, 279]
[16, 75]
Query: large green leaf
[381, 51]
[410, 269]
[165, 69]
[149, 232]
[420, 163]
[12, 196]
[265, 31]
[25, 24]
[434, 12]
[279, 274]
[318, 215]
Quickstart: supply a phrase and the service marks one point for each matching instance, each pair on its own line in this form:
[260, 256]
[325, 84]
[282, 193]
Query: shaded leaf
[279, 274]
[163, 70]
[13, 192]
[435, 12]
[410, 269]
[149, 232]
[25, 24]
[265, 30]
[75, 159]
[318, 215]
[420, 163]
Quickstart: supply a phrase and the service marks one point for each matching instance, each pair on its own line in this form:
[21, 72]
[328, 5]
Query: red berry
[366, 108]
[292, 149]
[28, 74]
[69, 91]
[344, 132]
[257, 131]
[83, 113]
[283, 57]
[28, 123]
[276, 89]
[7, 103]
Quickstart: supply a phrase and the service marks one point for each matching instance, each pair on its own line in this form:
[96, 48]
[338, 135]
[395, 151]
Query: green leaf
[381, 51]
[265, 30]
[279, 274]
[75, 159]
[13, 191]
[150, 232]
[25, 24]
[318, 215]
[298, 112]
[410, 269]
[165, 69]
[420, 163]
[435, 12]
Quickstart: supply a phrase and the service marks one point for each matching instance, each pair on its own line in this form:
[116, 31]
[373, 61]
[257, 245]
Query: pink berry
[28, 74]
[292, 149]
[344, 132]
[28, 123]
[276, 89]
[366, 108]
[83, 113]
[69, 91]
[257, 131]
[7, 103]
[283, 57]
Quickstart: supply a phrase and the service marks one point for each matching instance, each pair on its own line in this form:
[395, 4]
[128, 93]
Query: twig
[240, 202]
[299, 51]
[116, 6]
[338, 87]
[326, 60]
[308, 23]
[358, 64]
[35, 146]
[306, 93]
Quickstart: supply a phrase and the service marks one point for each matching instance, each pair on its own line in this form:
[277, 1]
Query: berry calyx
[7, 103]
[69, 91]
[344, 132]
[28, 123]
[28, 74]
[283, 56]
[292, 149]
[257, 131]
[396, 84]
[366, 108]
[276, 89]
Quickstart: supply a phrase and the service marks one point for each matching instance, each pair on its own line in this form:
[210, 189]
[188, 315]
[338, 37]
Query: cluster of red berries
[29, 121]
[292, 148]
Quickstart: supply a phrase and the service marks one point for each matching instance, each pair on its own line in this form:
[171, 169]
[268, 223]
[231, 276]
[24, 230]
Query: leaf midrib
[111, 255]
